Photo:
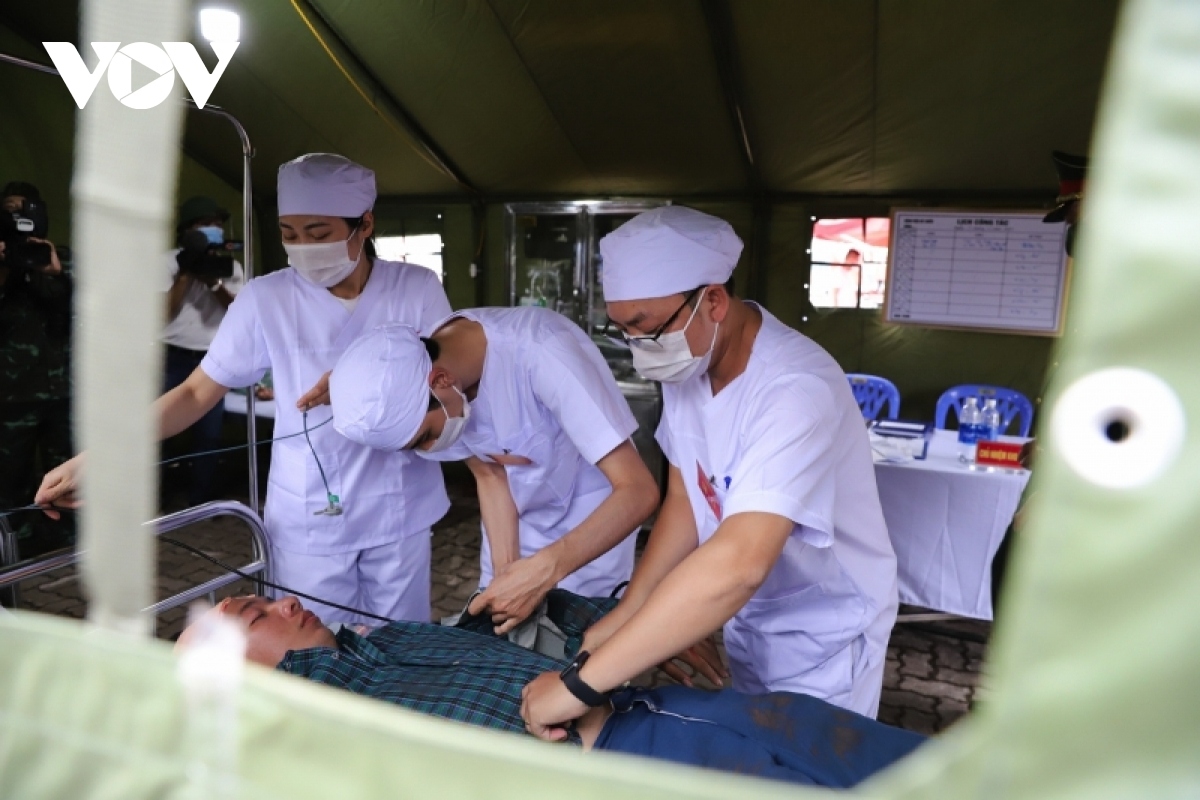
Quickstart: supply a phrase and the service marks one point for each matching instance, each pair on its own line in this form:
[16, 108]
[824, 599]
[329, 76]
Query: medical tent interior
[769, 113]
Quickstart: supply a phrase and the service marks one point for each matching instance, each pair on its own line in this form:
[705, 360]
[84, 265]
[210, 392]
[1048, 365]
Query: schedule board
[997, 271]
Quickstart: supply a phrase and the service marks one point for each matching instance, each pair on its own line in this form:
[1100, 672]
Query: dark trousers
[206, 432]
[35, 437]
[785, 736]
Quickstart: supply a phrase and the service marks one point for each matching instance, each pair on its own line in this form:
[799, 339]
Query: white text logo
[164, 61]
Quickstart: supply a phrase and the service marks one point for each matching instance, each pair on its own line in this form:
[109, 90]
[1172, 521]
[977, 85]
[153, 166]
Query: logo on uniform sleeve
[709, 492]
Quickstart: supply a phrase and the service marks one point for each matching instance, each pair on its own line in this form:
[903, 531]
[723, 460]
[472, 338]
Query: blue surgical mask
[215, 233]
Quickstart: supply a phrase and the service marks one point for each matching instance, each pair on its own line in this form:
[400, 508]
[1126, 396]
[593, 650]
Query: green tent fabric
[1092, 672]
[850, 107]
[609, 97]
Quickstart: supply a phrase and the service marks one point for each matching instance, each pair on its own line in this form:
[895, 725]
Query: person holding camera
[201, 281]
[35, 361]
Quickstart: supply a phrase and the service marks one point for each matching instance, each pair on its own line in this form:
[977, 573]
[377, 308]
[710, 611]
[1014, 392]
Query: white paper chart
[965, 269]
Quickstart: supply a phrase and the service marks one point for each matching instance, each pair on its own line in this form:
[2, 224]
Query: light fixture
[220, 24]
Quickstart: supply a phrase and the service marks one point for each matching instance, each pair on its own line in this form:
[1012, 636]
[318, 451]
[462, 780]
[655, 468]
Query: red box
[1003, 454]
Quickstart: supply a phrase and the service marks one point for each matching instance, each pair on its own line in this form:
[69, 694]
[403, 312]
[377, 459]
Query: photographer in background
[35, 362]
[201, 281]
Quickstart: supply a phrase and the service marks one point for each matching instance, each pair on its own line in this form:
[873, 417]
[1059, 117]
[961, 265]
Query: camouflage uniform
[35, 389]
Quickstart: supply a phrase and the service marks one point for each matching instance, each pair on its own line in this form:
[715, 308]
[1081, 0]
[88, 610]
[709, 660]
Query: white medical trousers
[391, 580]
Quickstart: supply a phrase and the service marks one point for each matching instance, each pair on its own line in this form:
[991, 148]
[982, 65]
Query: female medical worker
[374, 553]
[526, 398]
[772, 525]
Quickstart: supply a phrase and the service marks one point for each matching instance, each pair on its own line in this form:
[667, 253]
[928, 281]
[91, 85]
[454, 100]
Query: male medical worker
[369, 549]
[527, 400]
[771, 526]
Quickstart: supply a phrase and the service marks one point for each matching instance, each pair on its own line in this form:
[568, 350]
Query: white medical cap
[325, 184]
[379, 389]
[667, 251]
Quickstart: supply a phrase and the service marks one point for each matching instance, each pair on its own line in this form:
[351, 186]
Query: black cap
[21, 189]
[199, 207]
[1072, 172]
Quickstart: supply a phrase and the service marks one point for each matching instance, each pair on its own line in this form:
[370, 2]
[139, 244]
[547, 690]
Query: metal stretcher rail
[258, 565]
[8, 555]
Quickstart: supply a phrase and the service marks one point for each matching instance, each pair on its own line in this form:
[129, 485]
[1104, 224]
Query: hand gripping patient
[478, 678]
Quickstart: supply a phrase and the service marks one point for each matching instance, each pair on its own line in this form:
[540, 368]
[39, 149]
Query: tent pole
[248, 263]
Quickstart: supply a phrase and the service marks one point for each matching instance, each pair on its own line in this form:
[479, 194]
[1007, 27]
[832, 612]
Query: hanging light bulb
[220, 24]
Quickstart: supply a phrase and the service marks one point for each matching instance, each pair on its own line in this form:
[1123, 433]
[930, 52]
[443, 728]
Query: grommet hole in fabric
[1119, 428]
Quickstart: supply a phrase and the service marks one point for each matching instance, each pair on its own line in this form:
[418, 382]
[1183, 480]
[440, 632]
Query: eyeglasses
[613, 331]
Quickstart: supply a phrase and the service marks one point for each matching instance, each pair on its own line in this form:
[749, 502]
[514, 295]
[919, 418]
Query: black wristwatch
[576, 686]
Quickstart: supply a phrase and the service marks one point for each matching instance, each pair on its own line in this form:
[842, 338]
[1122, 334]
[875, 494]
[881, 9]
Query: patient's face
[274, 627]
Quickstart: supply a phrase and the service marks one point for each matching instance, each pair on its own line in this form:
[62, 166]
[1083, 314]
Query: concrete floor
[932, 675]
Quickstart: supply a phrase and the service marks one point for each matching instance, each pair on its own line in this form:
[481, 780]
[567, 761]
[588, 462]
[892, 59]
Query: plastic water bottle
[970, 426]
[991, 420]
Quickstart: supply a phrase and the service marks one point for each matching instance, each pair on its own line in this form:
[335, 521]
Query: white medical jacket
[547, 396]
[786, 437]
[298, 330]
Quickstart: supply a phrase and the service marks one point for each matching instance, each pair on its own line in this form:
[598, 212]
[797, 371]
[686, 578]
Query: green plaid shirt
[455, 673]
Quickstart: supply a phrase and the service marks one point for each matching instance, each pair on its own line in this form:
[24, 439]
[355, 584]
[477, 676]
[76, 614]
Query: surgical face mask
[324, 264]
[214, 233]
[670, 359]
[452, 431]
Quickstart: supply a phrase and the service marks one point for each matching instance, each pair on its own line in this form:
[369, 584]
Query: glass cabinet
[554, 261]
[554, 254]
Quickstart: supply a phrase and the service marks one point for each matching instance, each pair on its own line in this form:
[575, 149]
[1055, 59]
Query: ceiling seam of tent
[874, 95]
[718, 17]
[864, 203]
[537, 86]
[719, 20]
[395, 115]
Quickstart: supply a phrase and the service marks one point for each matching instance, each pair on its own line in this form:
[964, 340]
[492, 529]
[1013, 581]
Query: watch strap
[578, 687]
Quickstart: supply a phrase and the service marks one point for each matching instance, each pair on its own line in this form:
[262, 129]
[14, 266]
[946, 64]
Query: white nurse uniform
[298, 330]
[786, 437]
[547, 397]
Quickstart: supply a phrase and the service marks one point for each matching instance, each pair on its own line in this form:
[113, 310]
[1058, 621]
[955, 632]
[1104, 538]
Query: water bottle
[970, 426]
[991, 420]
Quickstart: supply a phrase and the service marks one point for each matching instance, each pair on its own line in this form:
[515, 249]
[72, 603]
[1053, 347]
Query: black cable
[246, 446]
[12, 511]
[247, 576]
[304, 433]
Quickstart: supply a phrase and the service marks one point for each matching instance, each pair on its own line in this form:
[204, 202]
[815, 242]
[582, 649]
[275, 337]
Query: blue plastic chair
[872, 392]
[1010, 402]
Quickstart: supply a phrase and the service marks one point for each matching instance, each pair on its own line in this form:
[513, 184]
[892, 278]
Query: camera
[16, 229]
[204, 260]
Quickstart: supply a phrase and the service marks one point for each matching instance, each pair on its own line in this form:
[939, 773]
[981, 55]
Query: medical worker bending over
[771, 526]
[526, 398]
[369, 549]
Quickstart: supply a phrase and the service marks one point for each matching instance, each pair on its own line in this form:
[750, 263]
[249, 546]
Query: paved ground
[932, 674]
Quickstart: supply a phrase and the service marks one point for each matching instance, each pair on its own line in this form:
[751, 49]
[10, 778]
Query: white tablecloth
[235, 403]
[946, 520]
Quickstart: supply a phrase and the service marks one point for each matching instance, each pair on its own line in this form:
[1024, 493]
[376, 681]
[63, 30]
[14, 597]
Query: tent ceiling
[597, 97]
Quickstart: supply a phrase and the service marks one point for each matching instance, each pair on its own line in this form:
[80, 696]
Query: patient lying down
[477, 678]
